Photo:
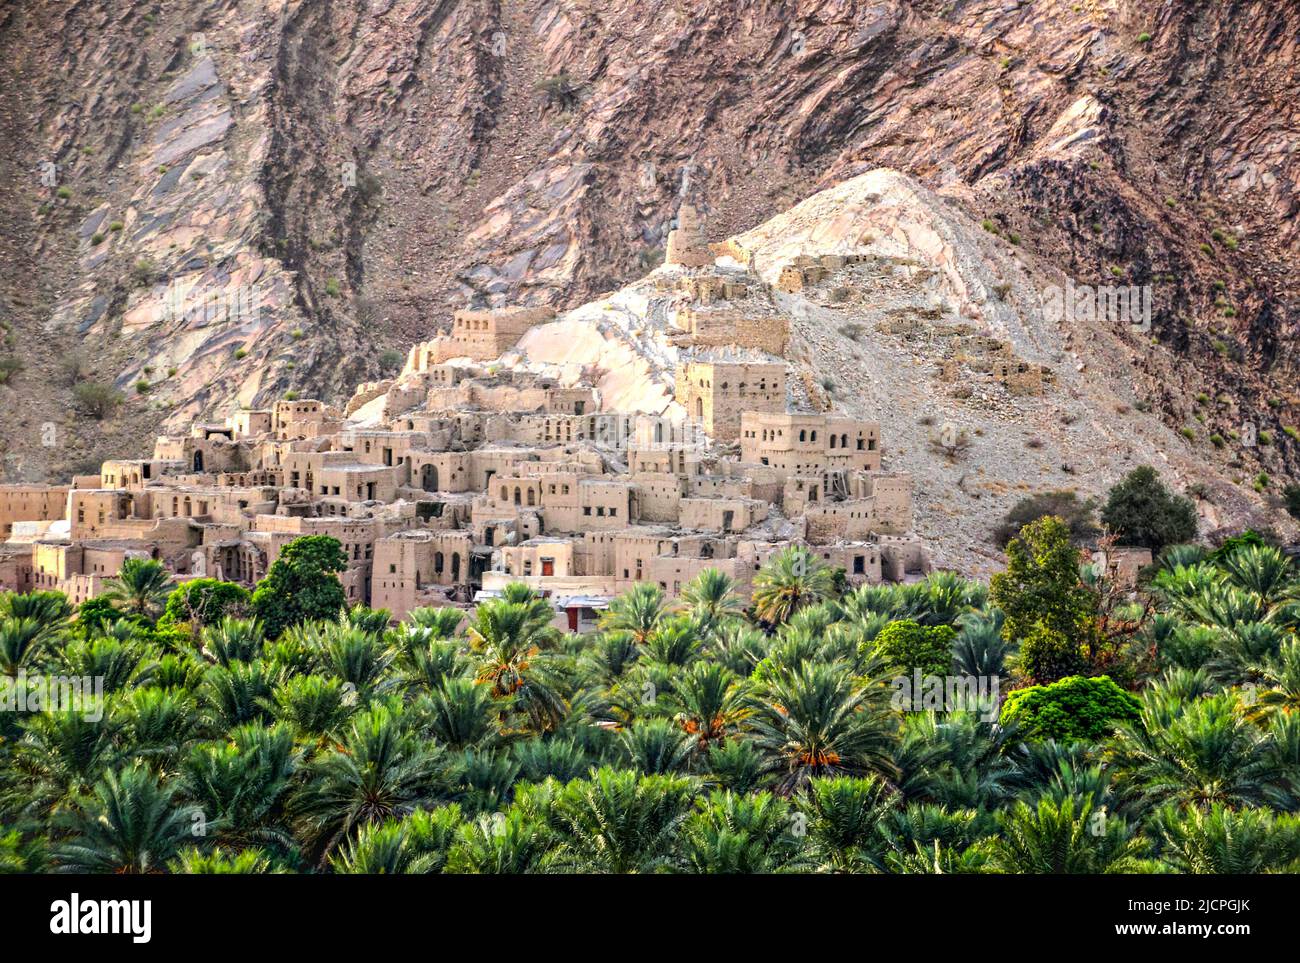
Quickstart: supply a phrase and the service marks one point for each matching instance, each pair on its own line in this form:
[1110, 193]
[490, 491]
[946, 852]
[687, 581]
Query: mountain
[253, 197]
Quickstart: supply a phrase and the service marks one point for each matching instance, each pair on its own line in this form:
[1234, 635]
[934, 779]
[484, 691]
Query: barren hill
[212, 202]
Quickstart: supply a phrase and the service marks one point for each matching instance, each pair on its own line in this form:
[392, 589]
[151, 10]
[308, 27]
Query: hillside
[249, 198]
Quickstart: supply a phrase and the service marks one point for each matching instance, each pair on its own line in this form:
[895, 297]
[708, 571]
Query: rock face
[215, 202]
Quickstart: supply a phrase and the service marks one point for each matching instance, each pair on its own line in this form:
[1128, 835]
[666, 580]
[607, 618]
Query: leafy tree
[302, 585]
[206, 601]
[1071, 709]
[1048, 610]
[1076, 512]
[906, 645]
[1142, 511]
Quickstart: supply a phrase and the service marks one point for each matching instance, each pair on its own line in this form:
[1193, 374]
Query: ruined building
[456, 477]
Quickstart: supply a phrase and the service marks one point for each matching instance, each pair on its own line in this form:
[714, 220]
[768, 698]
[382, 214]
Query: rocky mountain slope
[253, 197]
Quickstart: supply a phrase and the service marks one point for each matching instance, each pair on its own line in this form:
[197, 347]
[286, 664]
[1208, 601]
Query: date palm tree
[1068, 836]
[710, 599]
[510, 640]
[193, 861]
[637, 612]
[620, 822]
[417, 844]
[1280, 678]
[711, 703]
[232, 640]
[840, 817]
[508, 843]
[655, 747]
[735, 833]
[240, 786]
[22, 643]
[140, 588]
[819, 720]
[1220, 840]
[58, 757]
[442, 621]
[461, 713]
[130, 824]
[382, 770]
[1196, 753]
[791, 579]
[30, 624]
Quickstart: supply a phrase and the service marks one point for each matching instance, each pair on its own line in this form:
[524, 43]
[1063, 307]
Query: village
[466, 475]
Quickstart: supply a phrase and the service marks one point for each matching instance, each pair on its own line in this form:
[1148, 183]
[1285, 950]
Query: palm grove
[280, 731]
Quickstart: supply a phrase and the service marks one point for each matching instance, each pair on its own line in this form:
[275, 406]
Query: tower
[686, 244]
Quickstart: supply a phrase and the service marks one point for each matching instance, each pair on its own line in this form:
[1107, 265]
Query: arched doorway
[429, 478]
[198, 461]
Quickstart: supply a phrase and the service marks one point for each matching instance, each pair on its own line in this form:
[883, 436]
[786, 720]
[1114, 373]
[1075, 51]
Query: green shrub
[97, 400]
[1291, 497]
[1074, 709]
[10, 365]
[907, 645]
[1142, 511]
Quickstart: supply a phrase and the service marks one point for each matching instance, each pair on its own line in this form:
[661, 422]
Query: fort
[462, 474]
